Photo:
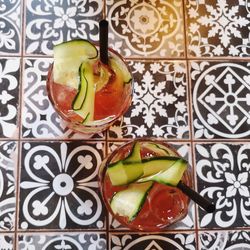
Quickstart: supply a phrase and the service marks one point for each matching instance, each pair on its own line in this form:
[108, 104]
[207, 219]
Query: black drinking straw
[103, 41]
[197, 198]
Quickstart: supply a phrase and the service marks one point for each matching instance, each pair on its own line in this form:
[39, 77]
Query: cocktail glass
[110, 103]
[164, 204]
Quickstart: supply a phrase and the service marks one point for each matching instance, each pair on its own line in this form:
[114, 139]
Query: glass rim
[108, 159]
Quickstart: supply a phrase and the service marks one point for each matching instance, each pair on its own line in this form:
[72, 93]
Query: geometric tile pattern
[218, 29]
[10, 22]
[146, 28]
[6, 241]
[59, 186]
[160, 241]
[76, 241]
[221, 99]
[159, 106]
[9, 96]
[225, 240]
[190, 62]
[223, 176]
[7, 186]
[50, 23]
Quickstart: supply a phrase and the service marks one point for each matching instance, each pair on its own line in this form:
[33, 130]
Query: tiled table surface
[190, 61]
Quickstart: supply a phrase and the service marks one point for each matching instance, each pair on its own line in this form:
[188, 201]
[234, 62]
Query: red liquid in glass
[164, 204]
[110, 101]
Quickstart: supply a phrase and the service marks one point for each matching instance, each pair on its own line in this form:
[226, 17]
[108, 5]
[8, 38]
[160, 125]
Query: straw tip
[103, 23]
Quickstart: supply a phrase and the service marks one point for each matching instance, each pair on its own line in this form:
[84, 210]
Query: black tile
[65, 241]
[9, 97]
[223, 177]
[50, 23]
[59, 186]
[159, 106]
[221, 99]
[218, 28]
[7, 185]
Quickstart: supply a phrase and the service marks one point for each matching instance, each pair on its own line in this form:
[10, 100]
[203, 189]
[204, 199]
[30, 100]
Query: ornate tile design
[146, 28]
[9, 96]
[221, 99]
[7, 186]
[6, 241]
[59, 186]
[50, 23]
[10, 23]
[223, 177]
[39, 119]
[76, 241]
[160, 94]
[224, 240]
[160, 241]
[219, 28]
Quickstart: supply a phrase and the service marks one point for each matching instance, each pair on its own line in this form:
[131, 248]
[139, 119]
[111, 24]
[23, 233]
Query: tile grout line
[190, 117]
[18, 165]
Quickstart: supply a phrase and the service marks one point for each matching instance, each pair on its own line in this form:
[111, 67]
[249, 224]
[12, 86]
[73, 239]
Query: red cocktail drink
[87, 94]
[163, 205]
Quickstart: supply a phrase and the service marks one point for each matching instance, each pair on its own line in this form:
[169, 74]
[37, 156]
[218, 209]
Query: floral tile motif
[224, 240]
[10, 22]
[221, 99]
[223, 177]
[188, 221]
[76, 241]
[218, 29]
[7, 186]
[50, 23]
[9, 92]
[39, 119]
[160, 94]
[158, 242]
[146, 28]
[6, 242]
[59, 186]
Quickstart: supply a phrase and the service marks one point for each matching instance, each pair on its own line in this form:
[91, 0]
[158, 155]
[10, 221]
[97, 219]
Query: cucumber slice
[84, 101]
[68, 57]
[82, 90]
[171, 176]
[135, 154]
[121, 173]
[158, 149]
[129, 202]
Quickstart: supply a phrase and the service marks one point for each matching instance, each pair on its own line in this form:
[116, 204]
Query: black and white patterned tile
[223, 177]
[150, 241]
[159, 105]
[51, 22]
[39, 118]
[59, 186]
[10, 23]
[9, 97]
[8, 155]
[223, 240]
[218, 28]
[221, 99]
[6, 241]
[76, 241]
[146, 28]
